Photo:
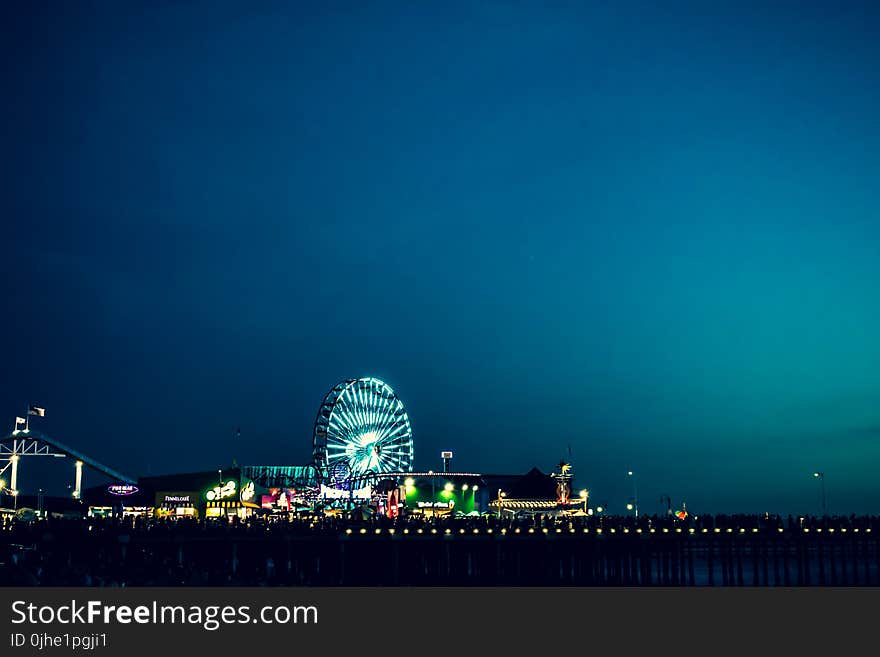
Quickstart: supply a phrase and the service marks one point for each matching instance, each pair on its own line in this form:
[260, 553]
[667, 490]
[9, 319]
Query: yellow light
[629, 507]
[464, 486]
[476, 531]
[488, 531]
[517, 530]
[691, 530]
[558, 531]
[665, 530]
[433, 531]
[531, 531]
[678, 530]
[448, 487]
[391, 531]
[754, 530]
[830, 530]
[503, 531]
[448, 531]
[639, 530]
[806, 530]
[419, 531]
[378, 531]
[406, 531]
[461, 531]
[653, 530]
[729, 530]
[599, 509]
[363, 531]
[586, 530]
[781, 530]
[545, 530]
[613, 530]
[599, 531]
[742, 530]
[626, 530]
[717, 530]
[584, 494]
[410, 482]
[819, 529]
[347, 531]
[476, 488]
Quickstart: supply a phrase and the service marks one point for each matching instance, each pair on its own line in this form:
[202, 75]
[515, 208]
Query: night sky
[648, 232]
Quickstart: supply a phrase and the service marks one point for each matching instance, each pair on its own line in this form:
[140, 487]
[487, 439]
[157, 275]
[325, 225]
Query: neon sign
[247, 492]
[122, 489]
[339, 494]
[221, 492]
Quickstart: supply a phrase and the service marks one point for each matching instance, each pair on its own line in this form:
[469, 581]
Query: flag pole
[27, 418]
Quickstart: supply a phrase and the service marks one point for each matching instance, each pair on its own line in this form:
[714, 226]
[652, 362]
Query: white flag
[19, 420]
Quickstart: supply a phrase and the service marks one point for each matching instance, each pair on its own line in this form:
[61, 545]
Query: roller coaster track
[36, 443]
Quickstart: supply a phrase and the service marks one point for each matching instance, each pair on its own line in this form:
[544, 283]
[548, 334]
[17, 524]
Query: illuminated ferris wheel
[362, 427]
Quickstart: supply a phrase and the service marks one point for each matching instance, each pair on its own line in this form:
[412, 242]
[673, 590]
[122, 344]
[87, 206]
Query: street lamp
[635, 503]
[821, 477]
[501, 496]
[585, 495]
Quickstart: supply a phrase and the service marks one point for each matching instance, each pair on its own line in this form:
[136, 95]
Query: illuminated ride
[361, 430]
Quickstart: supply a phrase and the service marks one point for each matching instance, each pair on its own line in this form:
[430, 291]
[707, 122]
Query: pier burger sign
[122, 489]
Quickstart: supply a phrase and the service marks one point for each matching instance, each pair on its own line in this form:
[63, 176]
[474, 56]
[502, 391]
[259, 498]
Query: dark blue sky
[649, 232]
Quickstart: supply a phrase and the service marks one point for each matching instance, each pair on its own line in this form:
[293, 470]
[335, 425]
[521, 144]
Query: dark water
[426, 557]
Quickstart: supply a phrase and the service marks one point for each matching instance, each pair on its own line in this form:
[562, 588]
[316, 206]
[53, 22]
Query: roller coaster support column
[13, 481]
[77, 491]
